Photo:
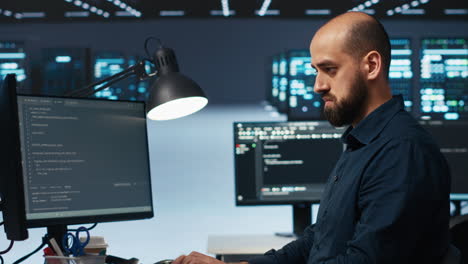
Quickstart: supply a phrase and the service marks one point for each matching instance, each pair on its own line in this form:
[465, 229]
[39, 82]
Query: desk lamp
[172, 95]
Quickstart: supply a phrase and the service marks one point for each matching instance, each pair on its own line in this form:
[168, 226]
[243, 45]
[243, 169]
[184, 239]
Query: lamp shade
[174, 95]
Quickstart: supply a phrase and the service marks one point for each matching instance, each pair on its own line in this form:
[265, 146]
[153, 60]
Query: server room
[234, 131]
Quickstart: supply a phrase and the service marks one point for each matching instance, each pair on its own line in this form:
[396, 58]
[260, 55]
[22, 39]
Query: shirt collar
[371, 126]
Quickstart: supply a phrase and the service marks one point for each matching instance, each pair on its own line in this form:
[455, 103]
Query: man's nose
[320, 86]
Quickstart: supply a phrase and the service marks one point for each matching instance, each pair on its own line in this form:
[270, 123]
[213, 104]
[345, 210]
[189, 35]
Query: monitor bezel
[12, 203]
[47, 222]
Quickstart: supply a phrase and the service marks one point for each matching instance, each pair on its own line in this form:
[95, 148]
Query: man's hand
[197, 258]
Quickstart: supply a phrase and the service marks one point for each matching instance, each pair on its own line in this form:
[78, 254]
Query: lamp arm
[137, 69]
[106, 84]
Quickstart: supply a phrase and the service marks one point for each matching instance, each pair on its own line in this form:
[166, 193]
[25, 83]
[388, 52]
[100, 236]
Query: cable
[90, 228]
[44, 242]
[1, 223]
[146, 46]
[8, 249]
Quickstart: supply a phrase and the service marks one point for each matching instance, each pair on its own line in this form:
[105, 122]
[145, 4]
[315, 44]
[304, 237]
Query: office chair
[452, 256]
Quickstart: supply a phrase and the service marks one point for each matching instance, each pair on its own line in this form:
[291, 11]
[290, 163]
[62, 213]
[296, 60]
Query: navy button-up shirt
[386, 200]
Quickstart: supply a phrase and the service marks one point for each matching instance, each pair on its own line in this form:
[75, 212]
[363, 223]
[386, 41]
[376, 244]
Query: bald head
[359, 34]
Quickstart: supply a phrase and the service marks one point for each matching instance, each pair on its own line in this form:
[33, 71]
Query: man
[387, 199]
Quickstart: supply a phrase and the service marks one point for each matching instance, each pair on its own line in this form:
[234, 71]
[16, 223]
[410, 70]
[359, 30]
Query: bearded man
[387, 199]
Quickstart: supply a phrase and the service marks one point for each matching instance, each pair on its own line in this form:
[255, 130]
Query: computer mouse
[166, 261]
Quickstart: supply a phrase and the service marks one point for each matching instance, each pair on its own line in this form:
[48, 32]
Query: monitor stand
[57, 232]
[302, 218]
[458, 208]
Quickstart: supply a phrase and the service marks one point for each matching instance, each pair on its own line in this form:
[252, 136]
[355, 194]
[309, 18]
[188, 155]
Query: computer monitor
[444, 78]
[401, 70]
[451, 135]
[304, 104]
[11, 178]
[285, 163]
[84, 161]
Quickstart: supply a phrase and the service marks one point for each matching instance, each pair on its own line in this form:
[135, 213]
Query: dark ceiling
[102, 10]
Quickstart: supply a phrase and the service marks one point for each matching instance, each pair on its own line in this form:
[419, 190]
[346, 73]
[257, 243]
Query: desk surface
[245, 244]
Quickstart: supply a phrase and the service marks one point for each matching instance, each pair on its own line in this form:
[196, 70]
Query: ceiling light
[225, 7]
[264, 8]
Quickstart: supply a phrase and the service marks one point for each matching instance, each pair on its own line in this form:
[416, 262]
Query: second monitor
[285, 163]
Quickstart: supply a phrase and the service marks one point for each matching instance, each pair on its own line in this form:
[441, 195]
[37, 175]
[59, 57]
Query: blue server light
[274, 91]
[444, 78]
[282, 99]
[400, 72]
[64, 70]
[107, 64]
[13, 60]
[63, 59]
[303, 103]
[140, 87]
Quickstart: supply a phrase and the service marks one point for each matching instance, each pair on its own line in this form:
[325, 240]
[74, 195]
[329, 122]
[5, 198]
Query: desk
[233, 248]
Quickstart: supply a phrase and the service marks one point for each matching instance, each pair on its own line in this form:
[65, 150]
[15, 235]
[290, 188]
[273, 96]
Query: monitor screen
[84, 160]
[401, 71]
[284, 162]
[444, 78]
[451, 135]
[304, 104]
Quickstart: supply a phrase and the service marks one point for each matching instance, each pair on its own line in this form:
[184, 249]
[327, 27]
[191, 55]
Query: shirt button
[335, 178]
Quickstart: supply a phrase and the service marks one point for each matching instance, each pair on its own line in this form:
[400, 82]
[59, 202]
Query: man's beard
[349, 109]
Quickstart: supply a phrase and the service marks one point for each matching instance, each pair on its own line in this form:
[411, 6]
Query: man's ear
[372, 65]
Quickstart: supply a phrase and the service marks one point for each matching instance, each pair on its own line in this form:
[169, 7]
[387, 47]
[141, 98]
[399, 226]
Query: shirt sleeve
[406, 184]
[294, 252]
